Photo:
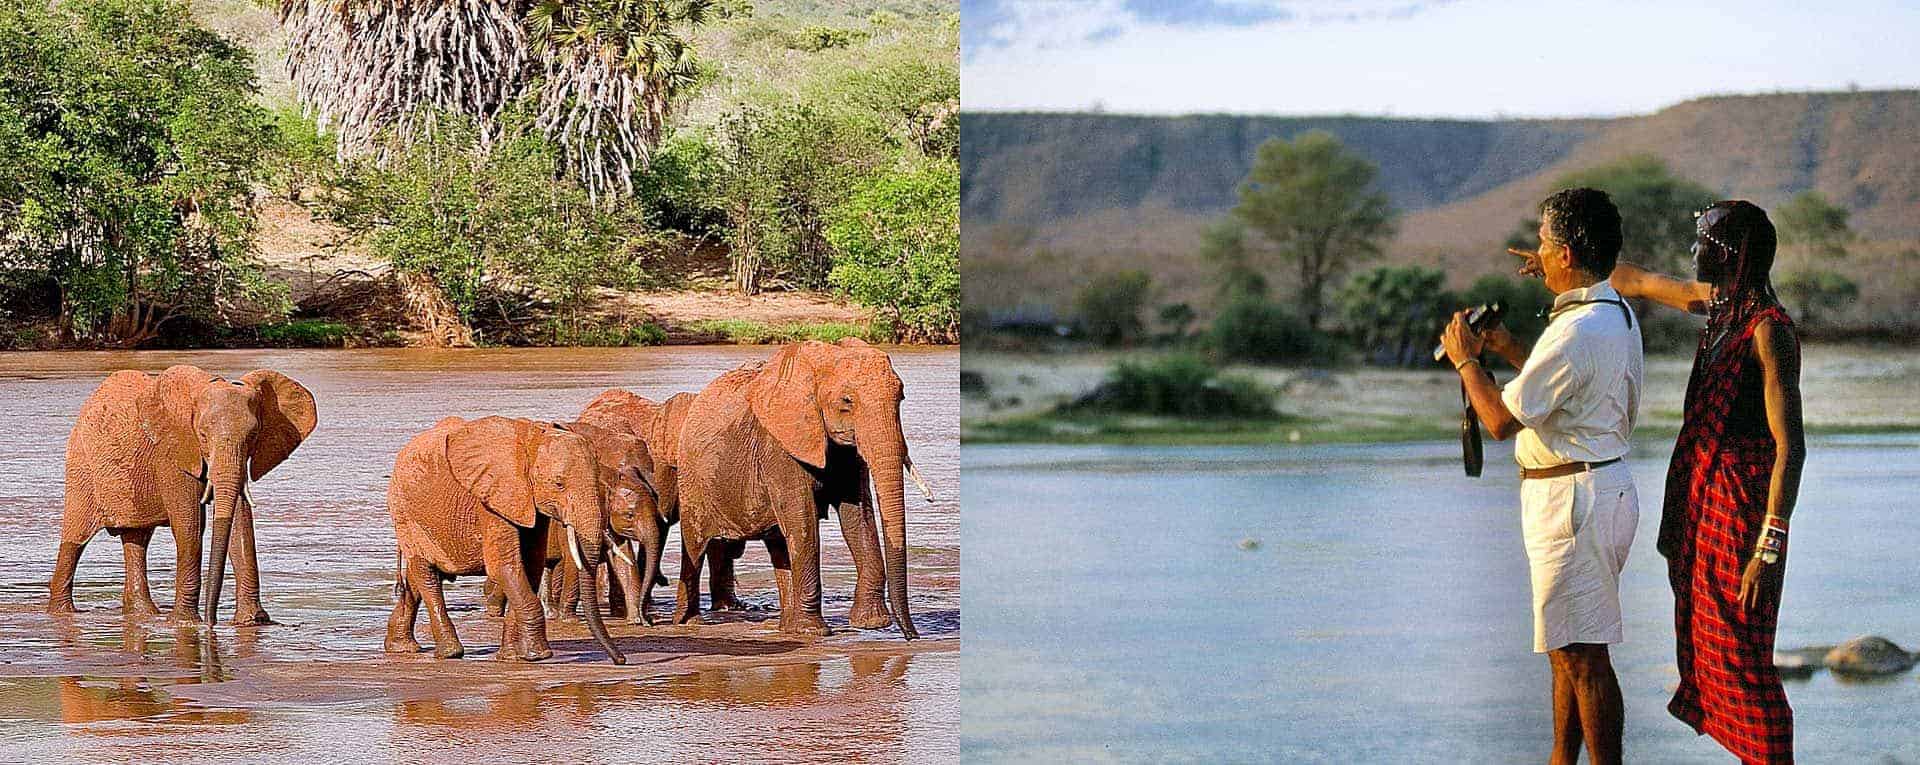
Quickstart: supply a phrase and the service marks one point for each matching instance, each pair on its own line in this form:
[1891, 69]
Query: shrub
[1109, 306]
[609, 336]
[749, 332]
[305, 333]
[898, 240]
[1176, 386]
[1252, 329]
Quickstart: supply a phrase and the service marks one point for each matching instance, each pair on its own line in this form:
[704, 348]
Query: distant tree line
[1306, 212]
[545, 164]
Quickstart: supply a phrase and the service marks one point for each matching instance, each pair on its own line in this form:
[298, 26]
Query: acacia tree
[1309, 200]
[603, 74]
[1656, 210]
[131, 143]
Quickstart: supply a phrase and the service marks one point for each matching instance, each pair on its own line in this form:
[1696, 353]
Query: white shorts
[1578, 529]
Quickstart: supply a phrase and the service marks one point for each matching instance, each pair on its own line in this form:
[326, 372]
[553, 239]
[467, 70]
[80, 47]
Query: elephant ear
[287, 416]
[782, 398]
[492, 458]
[663, 433]
[166, 414]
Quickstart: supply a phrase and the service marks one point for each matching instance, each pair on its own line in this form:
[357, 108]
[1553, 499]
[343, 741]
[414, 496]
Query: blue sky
[1441, 58]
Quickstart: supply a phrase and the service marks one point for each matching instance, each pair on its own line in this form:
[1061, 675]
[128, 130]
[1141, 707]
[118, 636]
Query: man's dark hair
[1586, 221]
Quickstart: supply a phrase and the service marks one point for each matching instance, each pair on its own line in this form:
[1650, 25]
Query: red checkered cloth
[1716, 498]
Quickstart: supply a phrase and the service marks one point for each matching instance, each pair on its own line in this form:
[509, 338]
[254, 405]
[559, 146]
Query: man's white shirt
[1579, 392]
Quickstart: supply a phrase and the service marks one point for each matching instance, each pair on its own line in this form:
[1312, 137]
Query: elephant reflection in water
[569, 712]
[84, 700]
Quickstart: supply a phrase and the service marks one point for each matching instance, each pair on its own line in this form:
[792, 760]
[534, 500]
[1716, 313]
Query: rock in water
[1800, 663]
[1870, 655]
[1249, 544]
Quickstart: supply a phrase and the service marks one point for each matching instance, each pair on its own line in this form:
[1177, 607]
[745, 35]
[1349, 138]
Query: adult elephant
[768, 447]
[153, 450]
[471, 498]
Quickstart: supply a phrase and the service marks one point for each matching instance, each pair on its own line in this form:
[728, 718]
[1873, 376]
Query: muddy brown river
[316, 687]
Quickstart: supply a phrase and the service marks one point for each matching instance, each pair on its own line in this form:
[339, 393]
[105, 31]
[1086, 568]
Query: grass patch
[613, 336]
[306, 333]
[749, 332]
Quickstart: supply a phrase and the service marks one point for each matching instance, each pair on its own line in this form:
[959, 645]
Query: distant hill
[1047, 198]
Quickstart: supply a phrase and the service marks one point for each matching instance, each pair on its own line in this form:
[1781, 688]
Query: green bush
[898, 243]
[678, 187]
[1525, 300]
[749, 332]
[305, 333]
[609, 336]
[815, 38]
[494, 223]
[1254, 330]
[1176, 386]
[1108, 306]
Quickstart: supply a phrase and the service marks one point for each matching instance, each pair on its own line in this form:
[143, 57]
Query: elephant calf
[471, 498]
[153, 450]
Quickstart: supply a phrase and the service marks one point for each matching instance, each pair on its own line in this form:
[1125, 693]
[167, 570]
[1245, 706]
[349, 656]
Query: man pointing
[1572, 408]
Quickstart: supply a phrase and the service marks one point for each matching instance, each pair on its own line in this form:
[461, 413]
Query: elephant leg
[721, 555]
[135, 599]
[246, 570]
[406, 608]
[187, 528]
[60, 588]
[782, 569]
[621, 596]
[550, 598]
[493, 599]
[567, 584]
[687, 600]
[800, 597]
[869, 587]
[516, 557]
[431, 588]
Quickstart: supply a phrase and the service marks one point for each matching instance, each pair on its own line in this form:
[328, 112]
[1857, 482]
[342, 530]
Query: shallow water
[1384, 614]
[95, 687]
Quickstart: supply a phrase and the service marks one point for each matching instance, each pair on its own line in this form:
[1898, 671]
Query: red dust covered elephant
[154, 450]
[767, 448]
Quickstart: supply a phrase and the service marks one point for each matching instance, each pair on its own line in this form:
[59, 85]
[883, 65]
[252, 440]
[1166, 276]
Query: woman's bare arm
[1685, 294]
[1778, 352]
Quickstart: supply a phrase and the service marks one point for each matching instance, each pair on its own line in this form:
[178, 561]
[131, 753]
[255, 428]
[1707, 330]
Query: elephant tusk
[620, 551]
[246, 477]
[918, 481]
[573, 550]
[207, 496]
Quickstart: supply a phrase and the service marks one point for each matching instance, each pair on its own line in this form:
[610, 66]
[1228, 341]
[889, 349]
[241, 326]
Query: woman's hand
[1751, 582]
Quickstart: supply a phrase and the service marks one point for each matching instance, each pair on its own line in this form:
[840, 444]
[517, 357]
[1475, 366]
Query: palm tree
[601, 75]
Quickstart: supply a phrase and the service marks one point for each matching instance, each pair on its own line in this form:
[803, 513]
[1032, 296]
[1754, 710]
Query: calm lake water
[96, 688]
[1384, 616]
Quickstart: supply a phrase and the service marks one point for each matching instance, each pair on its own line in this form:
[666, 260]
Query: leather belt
[1567, 469]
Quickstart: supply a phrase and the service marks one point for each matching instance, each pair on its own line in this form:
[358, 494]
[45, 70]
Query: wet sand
[98, 687]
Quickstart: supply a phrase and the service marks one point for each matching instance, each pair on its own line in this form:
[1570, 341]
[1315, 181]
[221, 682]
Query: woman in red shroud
[1732, 483]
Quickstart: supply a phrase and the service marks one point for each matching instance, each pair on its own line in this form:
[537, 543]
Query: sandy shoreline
[1845, 388]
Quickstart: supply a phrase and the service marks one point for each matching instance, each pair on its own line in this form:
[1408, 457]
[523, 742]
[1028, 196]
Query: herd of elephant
[761, 453]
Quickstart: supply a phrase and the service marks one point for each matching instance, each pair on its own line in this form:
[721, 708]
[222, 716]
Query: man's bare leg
[1597, 694]
[1566, 713]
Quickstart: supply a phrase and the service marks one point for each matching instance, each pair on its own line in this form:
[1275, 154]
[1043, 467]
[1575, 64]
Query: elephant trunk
[226, 483]
[884, 448]
[589, 565]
